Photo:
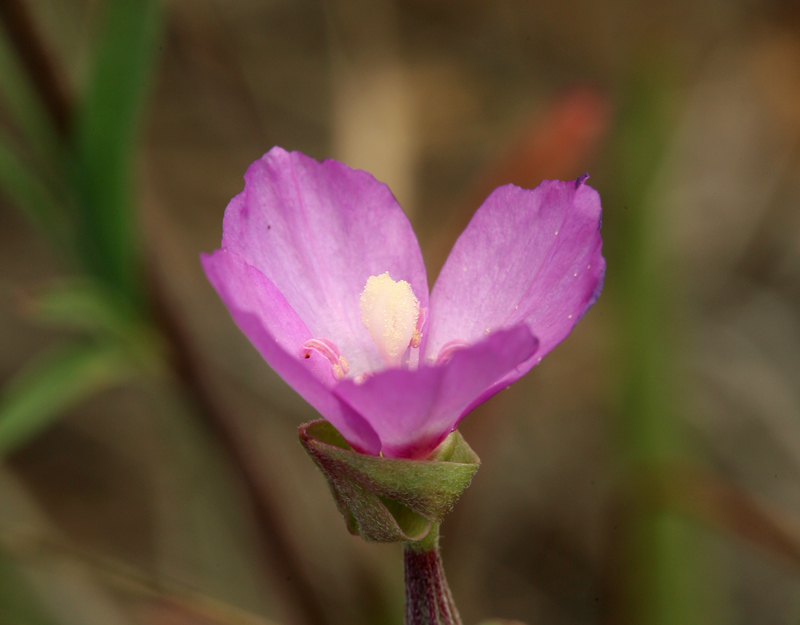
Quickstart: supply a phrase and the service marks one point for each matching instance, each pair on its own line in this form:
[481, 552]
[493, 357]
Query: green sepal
[390, 499]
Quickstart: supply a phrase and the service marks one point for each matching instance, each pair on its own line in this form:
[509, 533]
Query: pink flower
[321, 270]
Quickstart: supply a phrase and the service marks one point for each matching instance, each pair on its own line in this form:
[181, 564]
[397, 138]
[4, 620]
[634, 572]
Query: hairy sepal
[390, 499]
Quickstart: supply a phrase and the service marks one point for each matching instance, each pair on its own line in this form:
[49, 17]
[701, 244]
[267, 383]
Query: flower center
[390, 312]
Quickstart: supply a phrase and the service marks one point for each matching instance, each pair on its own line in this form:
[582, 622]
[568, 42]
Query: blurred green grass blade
[647, 276]
[649, 432]
[108, 123]
[29, 193]
[82, 304]
[86, 305]
[38, 395]
[666, 581]
[25, 108]
[18, 601]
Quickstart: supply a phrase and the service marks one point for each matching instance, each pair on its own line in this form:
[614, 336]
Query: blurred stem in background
[658, 551]
[664, 572]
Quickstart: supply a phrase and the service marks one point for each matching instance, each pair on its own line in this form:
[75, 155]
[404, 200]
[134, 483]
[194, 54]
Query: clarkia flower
[321, 270]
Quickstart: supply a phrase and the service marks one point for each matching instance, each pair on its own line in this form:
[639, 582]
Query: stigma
[390, 312]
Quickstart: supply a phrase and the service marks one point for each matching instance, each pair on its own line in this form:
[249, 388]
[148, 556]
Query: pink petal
[527, 256]
[317, 231]
[278, 333]
[413, 411]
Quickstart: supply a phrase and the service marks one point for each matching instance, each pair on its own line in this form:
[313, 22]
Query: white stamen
[389, 311]
[447, 351]
[329, 350]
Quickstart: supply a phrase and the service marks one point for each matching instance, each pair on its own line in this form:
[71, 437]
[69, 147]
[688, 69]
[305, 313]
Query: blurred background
[648, 471]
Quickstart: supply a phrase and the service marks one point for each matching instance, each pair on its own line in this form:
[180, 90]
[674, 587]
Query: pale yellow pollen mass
[340, 369]
[389, 311]
[416, 338]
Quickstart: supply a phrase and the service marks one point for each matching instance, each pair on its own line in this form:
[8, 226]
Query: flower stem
[428, 598]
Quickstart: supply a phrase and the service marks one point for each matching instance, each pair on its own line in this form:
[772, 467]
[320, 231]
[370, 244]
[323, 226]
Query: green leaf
[40, 393]
[390, 499]
[86, 305]
[107, 128]
[80, 304]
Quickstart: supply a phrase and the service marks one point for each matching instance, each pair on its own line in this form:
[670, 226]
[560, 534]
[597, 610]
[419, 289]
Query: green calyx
[390, 499]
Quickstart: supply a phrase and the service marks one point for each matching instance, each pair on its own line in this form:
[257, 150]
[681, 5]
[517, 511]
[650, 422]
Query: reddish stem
[428, 597]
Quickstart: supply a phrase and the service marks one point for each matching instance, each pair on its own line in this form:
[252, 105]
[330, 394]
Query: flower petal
[318, 231]
[527, 256]
[266, 318]
[412, 411]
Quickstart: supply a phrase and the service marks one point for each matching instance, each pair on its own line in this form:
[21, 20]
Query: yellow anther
[389, 311]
